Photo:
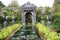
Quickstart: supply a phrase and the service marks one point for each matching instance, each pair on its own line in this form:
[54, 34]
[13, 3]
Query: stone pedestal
[48, 23]
[13, 18]
[5, 24]
[49, 19]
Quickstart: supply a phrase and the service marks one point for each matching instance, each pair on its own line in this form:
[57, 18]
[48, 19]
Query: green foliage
[47, 33]
[13, 4]
[16, 14]
[8, 30]
[1, 21]
[59, 35]
[38, 16]
[47, 10]
[1, 4]
[55, 21]
[57, 8]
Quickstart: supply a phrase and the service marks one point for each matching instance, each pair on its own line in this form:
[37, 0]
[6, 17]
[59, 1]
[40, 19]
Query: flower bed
[8, 30]
[47, 33]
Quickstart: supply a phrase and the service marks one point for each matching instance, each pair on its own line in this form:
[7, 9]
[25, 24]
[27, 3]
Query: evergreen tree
[1, 4]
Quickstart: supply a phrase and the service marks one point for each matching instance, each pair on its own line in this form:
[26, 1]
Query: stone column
[49, 19]
[42, 15]
[23, 18]
[33, 18]
[42, 19]
[13, 18]
[5, 20]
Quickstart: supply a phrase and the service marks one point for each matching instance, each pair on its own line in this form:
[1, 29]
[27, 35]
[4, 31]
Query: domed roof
[28, 4]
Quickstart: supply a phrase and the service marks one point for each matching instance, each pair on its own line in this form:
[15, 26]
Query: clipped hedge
[8, 30]
[47, 33]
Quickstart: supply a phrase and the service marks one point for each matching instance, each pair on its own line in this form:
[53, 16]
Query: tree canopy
[1, 4]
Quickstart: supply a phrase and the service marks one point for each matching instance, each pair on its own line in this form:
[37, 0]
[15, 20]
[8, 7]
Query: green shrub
[47, 33]
[8, 30]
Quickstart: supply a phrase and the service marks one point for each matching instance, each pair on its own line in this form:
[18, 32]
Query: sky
[38, 3]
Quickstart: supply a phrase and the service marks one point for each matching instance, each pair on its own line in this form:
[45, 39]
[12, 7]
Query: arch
[28, 18]
[28, 9]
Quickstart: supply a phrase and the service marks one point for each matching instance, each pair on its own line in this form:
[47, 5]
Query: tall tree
[13, 3]
[1, 4]
[57, 5]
